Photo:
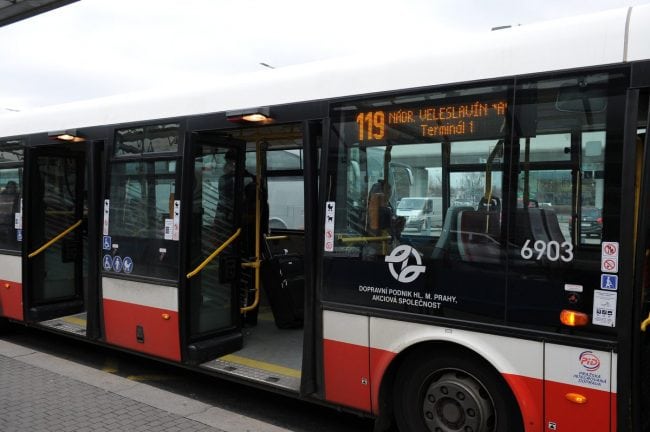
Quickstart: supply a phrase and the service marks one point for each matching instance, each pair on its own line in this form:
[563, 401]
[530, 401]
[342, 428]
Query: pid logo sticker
[589, 361]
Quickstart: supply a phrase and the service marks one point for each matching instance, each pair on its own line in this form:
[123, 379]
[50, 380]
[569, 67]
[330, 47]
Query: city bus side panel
[142, 317]
[11, 288]
[572, 371]
[346, 357]
[520, 362]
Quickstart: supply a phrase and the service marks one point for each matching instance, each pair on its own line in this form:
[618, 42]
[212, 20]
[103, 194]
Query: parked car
[591, 223]
[421, 213]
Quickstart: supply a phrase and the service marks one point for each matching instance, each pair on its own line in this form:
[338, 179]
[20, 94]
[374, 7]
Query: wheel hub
[457, 402]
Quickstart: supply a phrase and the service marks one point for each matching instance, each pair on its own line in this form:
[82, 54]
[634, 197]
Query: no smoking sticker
[609, 257]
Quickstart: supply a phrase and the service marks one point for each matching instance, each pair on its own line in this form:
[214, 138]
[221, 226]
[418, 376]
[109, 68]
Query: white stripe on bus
[143, 294]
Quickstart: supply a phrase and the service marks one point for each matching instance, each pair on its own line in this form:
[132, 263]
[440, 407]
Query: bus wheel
[450, 391]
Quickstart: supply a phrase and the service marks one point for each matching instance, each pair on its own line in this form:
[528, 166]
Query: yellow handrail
[55, 239]
[277, 237]
[364, 239]
[258, 228]
[214, 254]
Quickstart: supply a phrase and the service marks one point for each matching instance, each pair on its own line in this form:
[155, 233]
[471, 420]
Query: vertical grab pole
[258, 235]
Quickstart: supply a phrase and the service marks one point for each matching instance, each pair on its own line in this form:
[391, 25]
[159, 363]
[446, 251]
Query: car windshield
[411, 204]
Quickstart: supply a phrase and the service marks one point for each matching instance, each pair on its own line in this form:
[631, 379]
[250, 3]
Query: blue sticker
[107, 262]
[128, 265]
[107, 241]
[19, 235]
[117, 264]
[609, 282]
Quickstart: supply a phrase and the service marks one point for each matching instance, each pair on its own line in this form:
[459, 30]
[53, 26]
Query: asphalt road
[262, 405]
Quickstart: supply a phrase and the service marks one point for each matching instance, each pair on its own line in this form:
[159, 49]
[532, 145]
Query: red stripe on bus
[379, 362]
[529, 393]
[11, 300]
[568, 415]
[160, 329]
[347, 381]
[612, 409]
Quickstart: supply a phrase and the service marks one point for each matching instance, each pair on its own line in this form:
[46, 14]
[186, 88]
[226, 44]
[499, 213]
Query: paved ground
[41, 393]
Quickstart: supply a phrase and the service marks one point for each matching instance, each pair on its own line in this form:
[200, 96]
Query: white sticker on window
[604, 313]
[169, 229]
[330, 207]
[106, 211]
[177, 219]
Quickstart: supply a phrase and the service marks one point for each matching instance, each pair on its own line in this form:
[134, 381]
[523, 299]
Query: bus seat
[537, 225]
[553, 226]
[448, 233]
[477, 236]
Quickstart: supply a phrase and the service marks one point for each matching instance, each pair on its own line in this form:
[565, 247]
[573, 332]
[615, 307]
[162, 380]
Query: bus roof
[610, 37]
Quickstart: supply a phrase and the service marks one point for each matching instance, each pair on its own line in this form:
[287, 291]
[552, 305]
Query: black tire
[444, 391]
[4, 325]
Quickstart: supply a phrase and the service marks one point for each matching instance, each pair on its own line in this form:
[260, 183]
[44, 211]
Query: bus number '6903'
[552, 250]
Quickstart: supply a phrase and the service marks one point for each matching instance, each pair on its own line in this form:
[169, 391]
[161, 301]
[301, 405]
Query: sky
[95, 48]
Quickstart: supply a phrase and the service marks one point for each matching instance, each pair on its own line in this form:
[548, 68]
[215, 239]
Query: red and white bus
[250, 231]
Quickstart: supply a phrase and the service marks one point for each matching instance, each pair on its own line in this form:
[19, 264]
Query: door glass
[55, 208]
[142, 219]
[10, 198]
[213, 223]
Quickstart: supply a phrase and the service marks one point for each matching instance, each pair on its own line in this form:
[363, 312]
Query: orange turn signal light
[576, 398]
[7, 286]
[574, 318]
[166, 316]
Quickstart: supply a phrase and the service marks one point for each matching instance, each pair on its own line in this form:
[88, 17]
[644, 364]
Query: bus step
[260, 372]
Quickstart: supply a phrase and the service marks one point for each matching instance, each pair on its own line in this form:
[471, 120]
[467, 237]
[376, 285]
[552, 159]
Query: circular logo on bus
[589, 361]
[402, 255]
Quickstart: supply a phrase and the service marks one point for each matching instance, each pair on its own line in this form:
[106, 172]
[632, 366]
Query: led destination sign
[464, 120]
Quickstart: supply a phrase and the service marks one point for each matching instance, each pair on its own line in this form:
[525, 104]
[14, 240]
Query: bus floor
[74, 324]
[270, 355]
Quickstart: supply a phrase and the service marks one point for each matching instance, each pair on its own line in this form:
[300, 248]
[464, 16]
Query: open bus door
[53, 236]
[641, 320]
[212, 277]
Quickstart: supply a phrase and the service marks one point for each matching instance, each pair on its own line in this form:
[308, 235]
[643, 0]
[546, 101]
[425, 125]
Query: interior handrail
[364, 239]
[56, 238]
[214, 254]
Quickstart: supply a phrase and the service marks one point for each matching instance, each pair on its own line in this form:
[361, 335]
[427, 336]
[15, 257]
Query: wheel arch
[527, 391]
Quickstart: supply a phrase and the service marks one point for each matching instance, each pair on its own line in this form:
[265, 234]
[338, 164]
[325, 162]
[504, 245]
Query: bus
[151, 223]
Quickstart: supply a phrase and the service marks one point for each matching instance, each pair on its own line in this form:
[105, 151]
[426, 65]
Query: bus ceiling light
[573, 318]
[253, 115]
[67, 135]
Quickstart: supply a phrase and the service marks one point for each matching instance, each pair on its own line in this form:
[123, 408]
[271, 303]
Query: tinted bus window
[141, 218]
[147, 139]
[417, 187]
[11, 178]
[570, 146]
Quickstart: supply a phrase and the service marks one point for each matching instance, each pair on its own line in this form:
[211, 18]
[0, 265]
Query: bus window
[11, 177]
[562, 214]
[416, 186]
[142, 196]
[147, 139]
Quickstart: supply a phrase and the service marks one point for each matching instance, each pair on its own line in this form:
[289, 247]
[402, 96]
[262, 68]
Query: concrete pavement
[40, 392]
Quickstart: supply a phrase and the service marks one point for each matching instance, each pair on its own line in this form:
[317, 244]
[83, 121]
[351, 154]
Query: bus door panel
[140, 244]
[11, 233]
[54, 216]
[641, 340]
[213, 275]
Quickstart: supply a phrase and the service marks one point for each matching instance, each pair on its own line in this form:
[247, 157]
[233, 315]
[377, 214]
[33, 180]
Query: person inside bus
[382, 220]
[227, 183]
[8, 207]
